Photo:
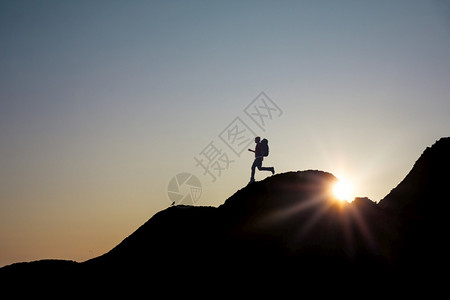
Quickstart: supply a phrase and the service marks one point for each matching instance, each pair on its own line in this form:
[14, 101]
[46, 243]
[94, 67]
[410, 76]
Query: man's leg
[271, 169]
[261, 168]
[254, 165]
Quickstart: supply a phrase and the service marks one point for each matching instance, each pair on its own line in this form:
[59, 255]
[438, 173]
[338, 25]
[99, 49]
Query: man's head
[257, 139]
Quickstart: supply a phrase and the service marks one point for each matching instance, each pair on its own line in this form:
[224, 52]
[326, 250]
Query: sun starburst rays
[344, 223]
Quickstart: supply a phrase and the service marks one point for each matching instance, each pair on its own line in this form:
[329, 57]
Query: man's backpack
[265, 147]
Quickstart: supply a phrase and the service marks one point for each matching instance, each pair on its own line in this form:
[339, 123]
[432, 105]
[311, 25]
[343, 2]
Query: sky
[104, 103]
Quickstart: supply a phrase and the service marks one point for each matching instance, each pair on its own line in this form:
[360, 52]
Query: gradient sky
[103, 102]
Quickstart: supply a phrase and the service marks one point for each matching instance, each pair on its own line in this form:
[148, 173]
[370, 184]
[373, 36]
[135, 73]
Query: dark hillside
[419, 204]
[285, 231]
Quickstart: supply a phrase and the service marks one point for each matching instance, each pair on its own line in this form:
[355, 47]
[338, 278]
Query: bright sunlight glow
[343, 190]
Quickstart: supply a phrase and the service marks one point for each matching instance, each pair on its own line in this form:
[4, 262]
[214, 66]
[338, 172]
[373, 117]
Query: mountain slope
[422, 191]
[287, 230]
[265, 231]
[419, 205]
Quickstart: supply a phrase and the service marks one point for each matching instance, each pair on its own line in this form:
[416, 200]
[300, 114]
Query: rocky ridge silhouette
[287, 230]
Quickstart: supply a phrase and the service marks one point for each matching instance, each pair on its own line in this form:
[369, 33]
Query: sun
[343, 190]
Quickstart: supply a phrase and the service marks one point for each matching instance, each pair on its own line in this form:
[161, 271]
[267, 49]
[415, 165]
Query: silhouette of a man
[257, 163]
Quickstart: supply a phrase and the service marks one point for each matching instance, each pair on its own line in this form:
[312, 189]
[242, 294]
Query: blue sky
[103, 102]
